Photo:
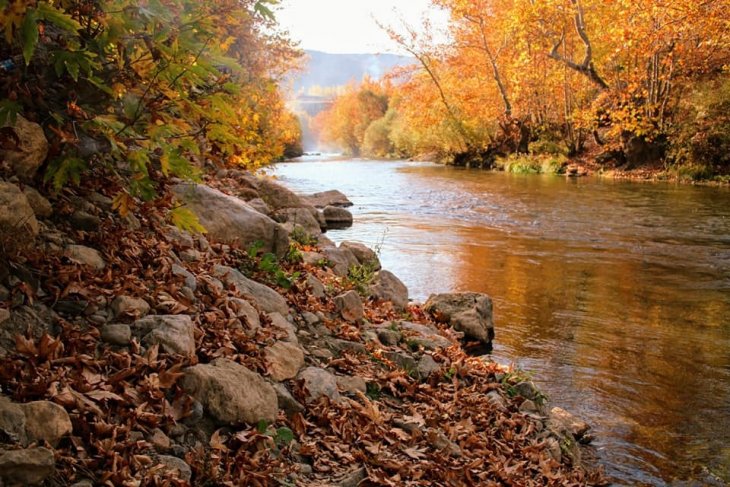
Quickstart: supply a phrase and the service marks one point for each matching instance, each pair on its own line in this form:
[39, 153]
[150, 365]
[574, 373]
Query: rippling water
[615, 295]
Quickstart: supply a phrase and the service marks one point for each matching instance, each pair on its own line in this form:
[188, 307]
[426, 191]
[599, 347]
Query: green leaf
[284, 435]
[65, 170]
[262, 426]
[9, 112]
[29, 34]
[56, 17]
[184, 219]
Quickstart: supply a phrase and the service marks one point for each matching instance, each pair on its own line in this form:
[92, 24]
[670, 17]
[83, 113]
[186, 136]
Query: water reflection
[616, 295]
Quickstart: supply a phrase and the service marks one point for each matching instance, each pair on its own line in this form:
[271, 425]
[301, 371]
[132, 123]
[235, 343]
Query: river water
[614, 295]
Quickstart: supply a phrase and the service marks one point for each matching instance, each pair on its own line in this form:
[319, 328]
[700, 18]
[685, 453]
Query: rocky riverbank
[259, 353]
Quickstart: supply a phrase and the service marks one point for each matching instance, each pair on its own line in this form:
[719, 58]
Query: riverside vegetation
[628, 88]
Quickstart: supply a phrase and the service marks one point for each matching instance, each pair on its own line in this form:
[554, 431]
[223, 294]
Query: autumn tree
[147, 89]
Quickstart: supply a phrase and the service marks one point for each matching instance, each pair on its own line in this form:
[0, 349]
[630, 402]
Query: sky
[347, 26]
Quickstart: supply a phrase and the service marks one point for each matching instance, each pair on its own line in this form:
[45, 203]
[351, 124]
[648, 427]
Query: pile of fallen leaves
[405, 431]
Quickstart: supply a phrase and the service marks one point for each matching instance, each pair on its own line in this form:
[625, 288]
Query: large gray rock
[174, 333]
[41, 206]
[336, 217]
[16, 215]
[46, 421]
[268, 300]
[424, 335]
[230, 220]
[231, 393]
[29, 154]
[299, 217]
[340, 260]
[388, 287]
[85, 256]
[278, 197]
[12, 420]
[318, 383]
[279, 321]
[284, 359]
[349, 305]
[364, 254]
[117, 334]
[328, 198]
[26, 467]
[470, 313]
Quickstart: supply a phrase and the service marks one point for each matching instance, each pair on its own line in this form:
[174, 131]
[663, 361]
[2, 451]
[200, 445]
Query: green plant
[146, 90]
[270, 265]
[360, 276]
[373, 391]
[302, 237]
[294, 255]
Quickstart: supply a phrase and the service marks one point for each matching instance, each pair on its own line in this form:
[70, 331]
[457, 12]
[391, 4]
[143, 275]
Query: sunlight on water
[615, 295]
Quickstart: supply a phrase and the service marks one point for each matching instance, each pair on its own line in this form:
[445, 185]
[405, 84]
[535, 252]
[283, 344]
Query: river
[614, 295]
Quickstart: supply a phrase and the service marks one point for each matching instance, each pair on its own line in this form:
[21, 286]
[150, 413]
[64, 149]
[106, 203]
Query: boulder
[130, 306]
[46, 421]
[328, 198]
[268, 300]
[260, 205]
[27, 156]
[423, 335]
[41, 206]
[284, 360]
[85, 256]
[315, 286]
[470, 313]
[16, 214]
[26, 467]
[299, 217]
[278, 320]
[426, 366]
[232, 221]
[286, 401]
[364, 254]
[349, 305]
[12, 421]
[560, 419]
[318, 383]
[117, 334]
[278, 197]
[178, 237]
[340, 260]
[231, 393]
[387, 287]
[245, 311]
[174, 333]
[82, 220]
[337, 217]
[187, 276]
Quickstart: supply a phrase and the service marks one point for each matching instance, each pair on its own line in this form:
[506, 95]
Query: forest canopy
[636, 82]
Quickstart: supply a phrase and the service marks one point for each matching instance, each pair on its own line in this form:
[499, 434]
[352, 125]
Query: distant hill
[324, 70]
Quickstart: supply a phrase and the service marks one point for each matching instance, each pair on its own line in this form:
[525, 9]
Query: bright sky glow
[347, 26]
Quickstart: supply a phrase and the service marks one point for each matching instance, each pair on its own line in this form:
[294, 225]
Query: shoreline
[262, 337]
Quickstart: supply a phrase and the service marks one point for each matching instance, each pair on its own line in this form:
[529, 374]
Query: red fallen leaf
[25, 346]
[415, 453]
[98, 395]
[169, 377]
[217, 441]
